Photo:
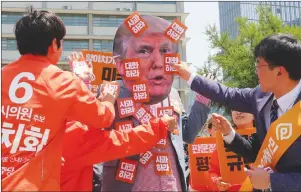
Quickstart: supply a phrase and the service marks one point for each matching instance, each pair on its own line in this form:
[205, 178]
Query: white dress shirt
[285, 103]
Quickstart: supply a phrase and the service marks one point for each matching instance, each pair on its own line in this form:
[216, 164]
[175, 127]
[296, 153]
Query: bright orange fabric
[56, 94]
[84, 147]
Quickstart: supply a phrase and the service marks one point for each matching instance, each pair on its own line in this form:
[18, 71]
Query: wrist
[187, 76]
[227, 132]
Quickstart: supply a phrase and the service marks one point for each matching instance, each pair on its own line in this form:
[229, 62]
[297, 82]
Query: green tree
[235, 56]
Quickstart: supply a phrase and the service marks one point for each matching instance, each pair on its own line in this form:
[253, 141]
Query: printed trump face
[149, 48]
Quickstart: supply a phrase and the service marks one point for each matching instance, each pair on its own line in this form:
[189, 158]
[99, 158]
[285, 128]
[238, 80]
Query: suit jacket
[189, 128]
[288, 176]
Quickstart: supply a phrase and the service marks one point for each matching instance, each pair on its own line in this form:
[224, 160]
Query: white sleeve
[229, 138]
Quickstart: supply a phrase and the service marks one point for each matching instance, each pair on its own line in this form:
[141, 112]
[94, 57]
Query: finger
[81, 55]
[221, 119]
[249, 172]
[73, 55]
[215, 116]
[253, 167]
[89, 65]
[177, 66]
[225, 184]
[78, 57]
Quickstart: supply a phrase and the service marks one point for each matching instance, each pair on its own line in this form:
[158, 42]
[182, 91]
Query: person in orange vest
[242, 121]
[37, 98]
[84, 147]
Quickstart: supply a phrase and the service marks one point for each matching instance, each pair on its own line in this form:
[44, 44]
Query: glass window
[170, 19]
[10, 18]
[103, 45]
[64, 67]
[9, 44]
[107, 21]
[158, 2]
[74, 19]
[75, 45]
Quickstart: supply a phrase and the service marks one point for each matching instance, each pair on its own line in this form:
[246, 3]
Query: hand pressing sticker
[171, 58]
[80, 67]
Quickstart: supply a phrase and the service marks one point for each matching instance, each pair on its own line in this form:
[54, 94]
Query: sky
[201, 14]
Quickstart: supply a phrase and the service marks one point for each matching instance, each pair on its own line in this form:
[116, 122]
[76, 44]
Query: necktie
[274, 109]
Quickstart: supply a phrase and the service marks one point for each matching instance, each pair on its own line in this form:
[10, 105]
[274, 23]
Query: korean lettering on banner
[104, 67]
[146, 158]
[175, 31]
[199, 159]
[170, 58]
[231, 164]
[126, 107]
[140, 91]
[135, 24]
[143, 115]
[125, 126]
[162, 164]
[132, 69]
[126, 170]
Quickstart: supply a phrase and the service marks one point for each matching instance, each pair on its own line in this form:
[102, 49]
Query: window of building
[103, 45]
[107, 20]
[170, 19]
[10, 18]
[9, 44]
[158, 2]
[75, 45]
[74, 19]
[64, 67]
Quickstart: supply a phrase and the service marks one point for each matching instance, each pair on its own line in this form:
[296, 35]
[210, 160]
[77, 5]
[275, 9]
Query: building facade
[90, 25]
[288, 11]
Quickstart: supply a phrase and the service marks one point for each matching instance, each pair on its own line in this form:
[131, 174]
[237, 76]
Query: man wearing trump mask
[146, 174]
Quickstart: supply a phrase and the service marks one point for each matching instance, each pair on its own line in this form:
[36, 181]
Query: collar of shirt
[286, 101]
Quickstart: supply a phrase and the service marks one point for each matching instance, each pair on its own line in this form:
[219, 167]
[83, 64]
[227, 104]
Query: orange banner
[231, 164]
[104, 67]
[281, 135]
[199, 160]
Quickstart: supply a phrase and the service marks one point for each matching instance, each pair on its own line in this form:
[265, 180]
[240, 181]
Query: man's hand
[80, 67]
[221, 124]
[182, 70]
[109, 91]
[107, 97]
[259, 177]
[171, 123]
[222, 186]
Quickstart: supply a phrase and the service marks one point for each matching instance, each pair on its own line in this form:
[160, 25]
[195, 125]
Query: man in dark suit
[278, 66]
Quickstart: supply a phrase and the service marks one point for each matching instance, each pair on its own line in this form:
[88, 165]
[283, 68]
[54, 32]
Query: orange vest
[36, 99]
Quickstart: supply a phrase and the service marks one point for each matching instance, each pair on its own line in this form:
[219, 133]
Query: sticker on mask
[135, 24]
[175, 31]
[162, 164]
[126, 170]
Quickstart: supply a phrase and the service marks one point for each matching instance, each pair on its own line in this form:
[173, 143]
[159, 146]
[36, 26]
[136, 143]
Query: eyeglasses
[258, 66]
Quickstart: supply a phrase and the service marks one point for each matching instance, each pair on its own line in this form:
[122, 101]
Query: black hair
[281, 50]
[36, 30]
